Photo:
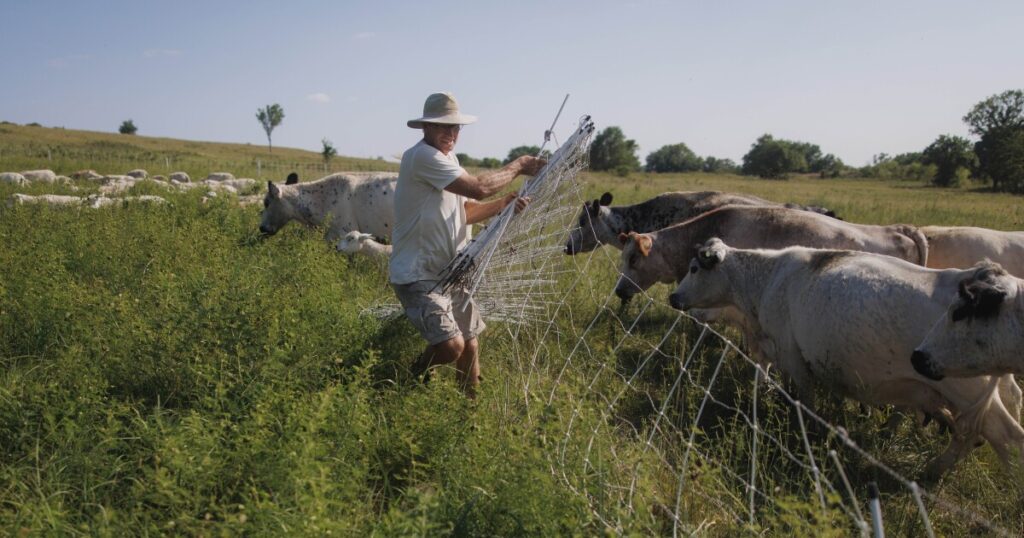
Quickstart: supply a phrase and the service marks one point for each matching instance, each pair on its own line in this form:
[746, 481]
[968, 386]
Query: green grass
[67, 150]
[165, 371]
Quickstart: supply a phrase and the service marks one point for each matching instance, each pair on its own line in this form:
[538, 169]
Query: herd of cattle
[928, 319]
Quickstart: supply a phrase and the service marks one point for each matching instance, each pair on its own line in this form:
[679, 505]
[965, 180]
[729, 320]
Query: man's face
[441, 136]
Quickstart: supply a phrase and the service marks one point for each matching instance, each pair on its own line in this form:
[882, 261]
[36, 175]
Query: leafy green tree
[1001, 157]
[466, 160]
[674, 158]
[811, 153]
[828, 166]
[997, 112]
[490, 162]
[611, 150]
[999, 121]
[270, 117]
[714, 165]
[952, 156]
[127, 127]
[772, 159]
[329, 151]
[519, 151]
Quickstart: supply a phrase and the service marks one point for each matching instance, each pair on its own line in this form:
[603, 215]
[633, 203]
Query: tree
[519, 151]
[127, 127]
[997, 112]
[270, 116]
[828, 166]
[1001, 157]
[772, 159]
[714, 165]
[328, 152]
[999, 122]
[611, 150]
[490, 162]
[952, 156]
[674, 158]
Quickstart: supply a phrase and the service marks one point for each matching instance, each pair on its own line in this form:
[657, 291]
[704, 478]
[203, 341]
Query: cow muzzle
[922, 362]
[677, 302]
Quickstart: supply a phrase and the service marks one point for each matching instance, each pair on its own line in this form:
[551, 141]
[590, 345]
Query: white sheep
[363, 243]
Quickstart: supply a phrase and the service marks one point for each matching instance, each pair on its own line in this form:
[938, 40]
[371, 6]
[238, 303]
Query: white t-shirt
[430, 222]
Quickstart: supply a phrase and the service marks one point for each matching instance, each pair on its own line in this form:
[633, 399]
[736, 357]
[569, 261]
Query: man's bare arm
[489, 183]
[481, 211]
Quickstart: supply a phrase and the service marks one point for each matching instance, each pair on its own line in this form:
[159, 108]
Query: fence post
[876, 510]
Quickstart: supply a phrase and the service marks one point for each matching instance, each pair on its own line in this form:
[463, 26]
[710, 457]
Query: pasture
[165, 370]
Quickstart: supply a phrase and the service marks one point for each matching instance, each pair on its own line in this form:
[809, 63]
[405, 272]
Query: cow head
[642, 265]
[595, 225]
[706, 285]
[980, 334]
[277, 208]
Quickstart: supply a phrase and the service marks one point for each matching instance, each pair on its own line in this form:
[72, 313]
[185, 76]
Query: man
[434, 206]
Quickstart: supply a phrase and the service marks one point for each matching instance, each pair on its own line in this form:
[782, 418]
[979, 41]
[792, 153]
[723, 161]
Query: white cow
[961, 247]
[848, 321]
[356, 242]
[981, 333]
[350, 201]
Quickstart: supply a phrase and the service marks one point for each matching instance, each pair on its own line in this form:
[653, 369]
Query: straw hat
[441, 108]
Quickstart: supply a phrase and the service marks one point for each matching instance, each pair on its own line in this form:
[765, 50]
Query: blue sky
[856, 78]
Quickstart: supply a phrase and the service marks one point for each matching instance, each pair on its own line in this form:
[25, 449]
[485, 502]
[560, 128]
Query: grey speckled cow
[664, 255]
[352, 201]
[601, 223]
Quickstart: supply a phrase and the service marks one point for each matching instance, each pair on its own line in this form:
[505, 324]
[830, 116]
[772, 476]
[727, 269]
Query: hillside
[67, 150]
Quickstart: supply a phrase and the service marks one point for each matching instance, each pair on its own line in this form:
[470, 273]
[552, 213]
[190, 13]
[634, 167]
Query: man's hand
[530, 165]
[521, 203]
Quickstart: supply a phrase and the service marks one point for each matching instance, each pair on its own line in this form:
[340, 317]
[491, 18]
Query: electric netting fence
[648, 414]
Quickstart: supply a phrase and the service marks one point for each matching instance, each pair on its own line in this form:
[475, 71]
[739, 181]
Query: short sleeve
[437, 170]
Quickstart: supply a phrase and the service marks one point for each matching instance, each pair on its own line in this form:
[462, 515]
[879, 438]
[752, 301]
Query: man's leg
[468, 367]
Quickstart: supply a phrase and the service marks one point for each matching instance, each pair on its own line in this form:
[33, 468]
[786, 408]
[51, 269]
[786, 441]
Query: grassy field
[65, 151]
[165, 371]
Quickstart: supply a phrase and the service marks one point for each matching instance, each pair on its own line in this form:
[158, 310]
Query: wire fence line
[652, 395]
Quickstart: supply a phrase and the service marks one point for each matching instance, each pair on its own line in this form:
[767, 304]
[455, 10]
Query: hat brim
[450, 119]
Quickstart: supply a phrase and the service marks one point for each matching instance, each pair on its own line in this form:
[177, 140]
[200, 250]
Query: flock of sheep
[111, 188]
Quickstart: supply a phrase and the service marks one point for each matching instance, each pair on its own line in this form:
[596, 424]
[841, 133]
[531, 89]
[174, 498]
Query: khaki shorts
[440, 316]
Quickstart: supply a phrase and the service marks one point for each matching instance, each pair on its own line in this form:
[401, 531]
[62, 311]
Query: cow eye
[693, 269]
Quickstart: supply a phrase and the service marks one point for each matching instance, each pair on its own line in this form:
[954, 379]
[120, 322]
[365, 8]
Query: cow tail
[919, 239]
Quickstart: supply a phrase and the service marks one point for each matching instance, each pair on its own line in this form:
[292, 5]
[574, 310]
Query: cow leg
[1010, 394]
[957, 450]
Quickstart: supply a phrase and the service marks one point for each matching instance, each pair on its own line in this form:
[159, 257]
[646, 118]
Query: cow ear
[645, 243]
[606, 199]
[623, 239]
[593, 208]
[989, 298]
[963, 292]
[293, 178]
[274, 191]
[364, 237]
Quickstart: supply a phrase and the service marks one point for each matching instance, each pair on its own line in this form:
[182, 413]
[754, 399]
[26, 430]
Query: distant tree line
[997, 156]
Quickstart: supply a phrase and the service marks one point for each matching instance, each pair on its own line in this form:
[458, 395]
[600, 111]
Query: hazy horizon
[856, 79]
